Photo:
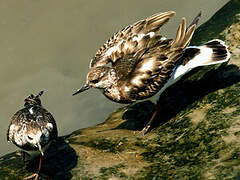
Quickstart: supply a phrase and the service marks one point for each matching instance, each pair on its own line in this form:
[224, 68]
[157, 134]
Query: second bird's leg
[36, 175]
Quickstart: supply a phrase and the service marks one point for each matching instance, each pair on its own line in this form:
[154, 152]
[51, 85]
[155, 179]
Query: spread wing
[155, 66]
[130, 39]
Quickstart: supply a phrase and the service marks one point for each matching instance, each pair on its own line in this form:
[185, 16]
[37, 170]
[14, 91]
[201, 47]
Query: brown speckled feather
[24, 118]
[124, 39]
[137, 62]
[142, 73]
[30, 121]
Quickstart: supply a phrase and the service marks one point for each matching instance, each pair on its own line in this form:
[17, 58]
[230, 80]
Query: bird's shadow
[177, 97]
[57, 162]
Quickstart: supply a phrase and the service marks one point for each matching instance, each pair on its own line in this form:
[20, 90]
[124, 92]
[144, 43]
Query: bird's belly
[118, 96]
[176, 75]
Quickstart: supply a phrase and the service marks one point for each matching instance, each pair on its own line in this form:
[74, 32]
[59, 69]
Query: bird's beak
[40, 148]
[83, 88]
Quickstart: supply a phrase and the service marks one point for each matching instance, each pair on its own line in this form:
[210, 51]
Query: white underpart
[116, 93]
[202, 59]
[148, 65]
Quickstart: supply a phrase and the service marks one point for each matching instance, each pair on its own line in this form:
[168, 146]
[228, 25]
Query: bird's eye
[29, 137]
[95, 81]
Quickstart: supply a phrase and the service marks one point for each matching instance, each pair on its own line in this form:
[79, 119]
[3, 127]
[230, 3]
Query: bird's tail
[212, 52]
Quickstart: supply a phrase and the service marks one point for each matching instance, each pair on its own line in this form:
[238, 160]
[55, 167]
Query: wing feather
[130, 36]
[158, 63]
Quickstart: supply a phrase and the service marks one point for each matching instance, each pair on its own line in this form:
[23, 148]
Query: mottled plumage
[32, 128]
[137, 62]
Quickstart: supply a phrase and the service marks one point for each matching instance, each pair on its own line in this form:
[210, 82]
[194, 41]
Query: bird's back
[33, 120]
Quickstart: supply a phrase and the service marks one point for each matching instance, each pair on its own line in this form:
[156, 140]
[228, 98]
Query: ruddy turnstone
[32, 129]
[137, 62]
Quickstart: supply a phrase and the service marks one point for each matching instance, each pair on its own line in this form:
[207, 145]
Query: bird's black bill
[84, 88]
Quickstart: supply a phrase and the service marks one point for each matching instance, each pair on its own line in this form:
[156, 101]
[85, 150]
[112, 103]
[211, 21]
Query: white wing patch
[140, 36]
[147, 65]
[113, 49]
[163, 38]
[151, 34]
[127, 89]
[126, 45]
[137, 80]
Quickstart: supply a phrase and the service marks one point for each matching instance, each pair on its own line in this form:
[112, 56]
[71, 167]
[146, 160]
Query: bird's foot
[145, 129]
[35, 176]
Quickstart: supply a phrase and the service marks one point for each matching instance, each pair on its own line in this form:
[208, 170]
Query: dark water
[48, 45]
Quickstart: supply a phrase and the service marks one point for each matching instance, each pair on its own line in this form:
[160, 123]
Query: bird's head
[34, 138]
[39, 137]
[98, 77]
[32, 100]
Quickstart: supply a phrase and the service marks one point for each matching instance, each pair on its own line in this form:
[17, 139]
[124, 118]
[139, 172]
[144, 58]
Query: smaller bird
[32, 129]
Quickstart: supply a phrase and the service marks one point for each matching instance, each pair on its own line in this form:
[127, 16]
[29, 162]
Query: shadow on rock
[58, 160]
[179, 96]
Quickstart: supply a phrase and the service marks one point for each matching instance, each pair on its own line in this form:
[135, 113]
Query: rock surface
[196, 137]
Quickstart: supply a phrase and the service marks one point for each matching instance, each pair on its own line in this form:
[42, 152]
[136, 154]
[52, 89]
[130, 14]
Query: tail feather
[212, 52]
[220, 52]
[195, 20]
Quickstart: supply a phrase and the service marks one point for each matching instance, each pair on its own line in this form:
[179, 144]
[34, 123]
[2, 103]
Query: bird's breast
[119, 94]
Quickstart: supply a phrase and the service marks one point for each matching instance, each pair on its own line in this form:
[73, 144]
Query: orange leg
[36, 175]
[153, 118]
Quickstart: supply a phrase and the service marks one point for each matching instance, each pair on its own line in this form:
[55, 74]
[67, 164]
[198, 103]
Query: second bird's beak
[40, 148]
[84, 88]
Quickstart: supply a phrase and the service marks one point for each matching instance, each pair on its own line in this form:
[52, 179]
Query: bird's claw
[36, 175]
[145, 129]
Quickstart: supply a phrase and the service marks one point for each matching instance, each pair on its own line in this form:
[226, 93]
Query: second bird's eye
[30, 138]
